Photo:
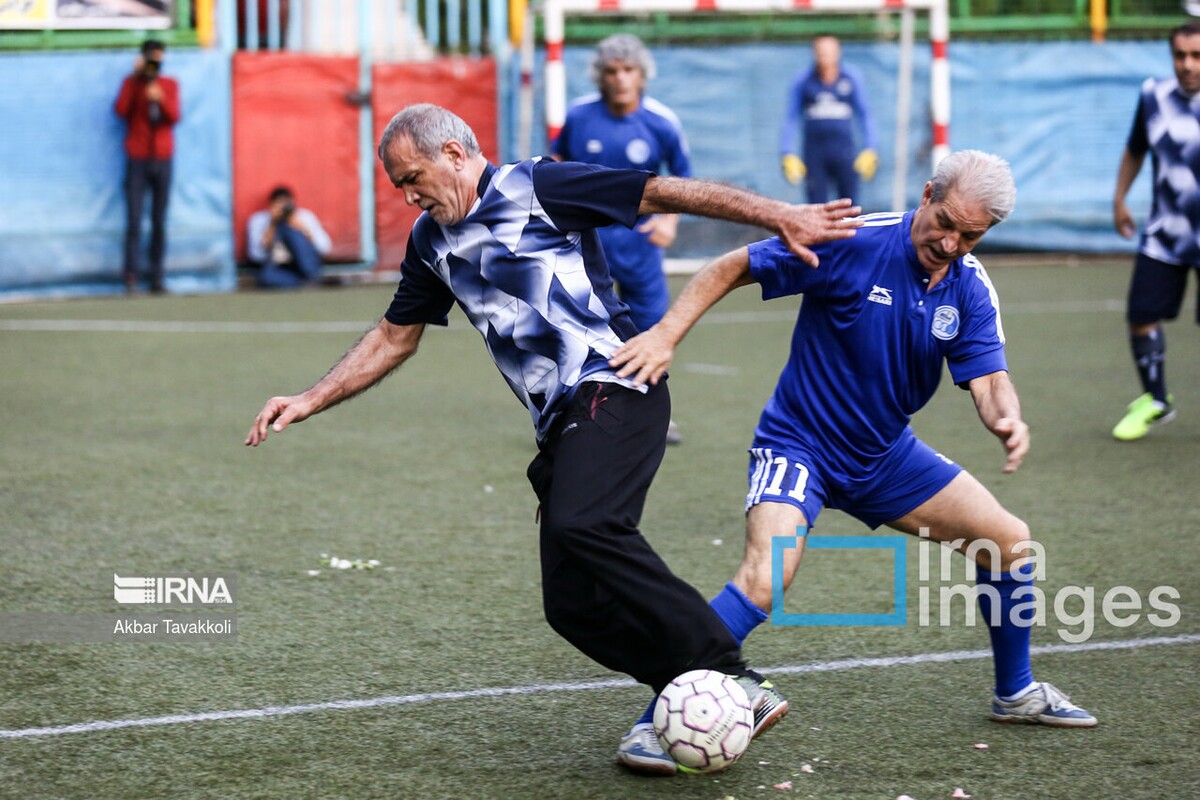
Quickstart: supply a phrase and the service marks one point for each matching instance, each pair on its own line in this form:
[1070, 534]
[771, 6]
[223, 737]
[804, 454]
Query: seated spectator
[285, 243]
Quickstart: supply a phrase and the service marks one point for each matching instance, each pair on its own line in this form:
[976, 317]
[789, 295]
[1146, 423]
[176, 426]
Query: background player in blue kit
[1166, 125]
[824, 102]
[880, 315]
[535, 285]
[621, 127]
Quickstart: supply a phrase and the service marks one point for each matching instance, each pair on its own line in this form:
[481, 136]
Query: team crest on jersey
[638, 151]
[945, 323]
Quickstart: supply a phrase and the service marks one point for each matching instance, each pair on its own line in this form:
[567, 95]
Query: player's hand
[1123, 220]
[813, 224]
[793, 168]
[1014, 434]
[866, 164]
[645, 357]
[662, 229]
[277, 414]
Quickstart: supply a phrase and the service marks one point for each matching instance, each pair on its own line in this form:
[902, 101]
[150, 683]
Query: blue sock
[737, 612]
[648, 716]
[1010, 638]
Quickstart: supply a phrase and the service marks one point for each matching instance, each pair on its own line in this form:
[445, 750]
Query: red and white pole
[939, 78]
[556, 75]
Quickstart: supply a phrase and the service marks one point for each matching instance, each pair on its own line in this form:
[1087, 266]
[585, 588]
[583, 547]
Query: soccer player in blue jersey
[621, 127]
[824, 102]
[1167, 126]
[515, 247]
[880, 316]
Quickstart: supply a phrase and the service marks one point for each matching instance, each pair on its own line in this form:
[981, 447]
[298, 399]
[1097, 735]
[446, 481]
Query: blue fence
[1058, 111]
[62, 166]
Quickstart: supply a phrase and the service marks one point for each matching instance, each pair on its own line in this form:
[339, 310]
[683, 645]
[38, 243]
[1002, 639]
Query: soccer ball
[704, 720]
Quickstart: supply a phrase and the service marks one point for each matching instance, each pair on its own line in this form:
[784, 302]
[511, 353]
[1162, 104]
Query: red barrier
[293, 125]
[465, 86]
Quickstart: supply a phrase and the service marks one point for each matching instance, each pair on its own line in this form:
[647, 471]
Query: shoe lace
[1057, 699]
[647, 739]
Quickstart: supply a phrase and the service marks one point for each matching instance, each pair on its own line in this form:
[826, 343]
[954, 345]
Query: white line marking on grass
[546, 688]
[709, 369]
[336, 326]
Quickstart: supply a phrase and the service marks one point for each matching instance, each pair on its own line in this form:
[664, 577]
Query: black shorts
[1156, 291]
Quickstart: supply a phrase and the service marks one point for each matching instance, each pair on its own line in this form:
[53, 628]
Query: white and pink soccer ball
[704, 720]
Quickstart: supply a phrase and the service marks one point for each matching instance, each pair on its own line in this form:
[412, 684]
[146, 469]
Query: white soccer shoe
[1043, 704]
[641, 752]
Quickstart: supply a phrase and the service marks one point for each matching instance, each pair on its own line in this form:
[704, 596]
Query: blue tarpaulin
[62, 207]
[1058, 111]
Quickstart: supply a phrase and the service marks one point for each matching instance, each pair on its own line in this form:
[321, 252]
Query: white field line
[547, 688]
[200, 326]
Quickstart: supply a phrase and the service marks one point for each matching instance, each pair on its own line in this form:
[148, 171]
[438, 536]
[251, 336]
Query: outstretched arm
[1000, 411]
[380, 350]
[796, 225]
[648, 355]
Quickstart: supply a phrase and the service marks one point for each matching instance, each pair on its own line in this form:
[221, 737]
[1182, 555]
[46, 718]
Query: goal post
[555, 11]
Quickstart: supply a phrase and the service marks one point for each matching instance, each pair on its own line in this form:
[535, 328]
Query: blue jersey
[650, 138]
[1167, 124]
[870, 340]
[526, 267]
[827, 113]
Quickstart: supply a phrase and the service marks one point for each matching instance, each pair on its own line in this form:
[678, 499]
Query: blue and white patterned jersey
[827, 113]
[526, 267]
[1167, 124]
[870, 339]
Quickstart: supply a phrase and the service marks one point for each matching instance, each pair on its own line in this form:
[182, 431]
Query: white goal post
[554, 12]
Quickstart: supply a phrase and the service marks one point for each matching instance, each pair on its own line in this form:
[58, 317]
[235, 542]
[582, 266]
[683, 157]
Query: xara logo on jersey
[945, 323]
[880, 295]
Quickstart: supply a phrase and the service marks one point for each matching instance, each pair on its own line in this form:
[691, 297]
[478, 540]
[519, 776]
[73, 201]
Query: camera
[289, 207]
[150, 70]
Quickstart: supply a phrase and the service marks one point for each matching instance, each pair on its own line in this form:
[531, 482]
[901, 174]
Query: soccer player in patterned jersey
[1166, 125]
[880, 316]
[621, 127]
[515, 247]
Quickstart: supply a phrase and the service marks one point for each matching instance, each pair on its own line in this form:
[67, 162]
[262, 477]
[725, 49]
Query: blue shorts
[1156, 291]
[898, 482]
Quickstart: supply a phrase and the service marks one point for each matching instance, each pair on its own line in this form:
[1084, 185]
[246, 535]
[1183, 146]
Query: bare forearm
[1127, 173]
[668, 195]
[380, 351]
[702, 292]
[995, 399]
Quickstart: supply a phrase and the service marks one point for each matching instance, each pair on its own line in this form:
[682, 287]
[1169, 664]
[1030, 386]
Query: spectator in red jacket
[149, 103]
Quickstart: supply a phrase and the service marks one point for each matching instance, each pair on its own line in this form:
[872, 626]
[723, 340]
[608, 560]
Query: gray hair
[621, 47]
[980, 177]
[429, 127]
